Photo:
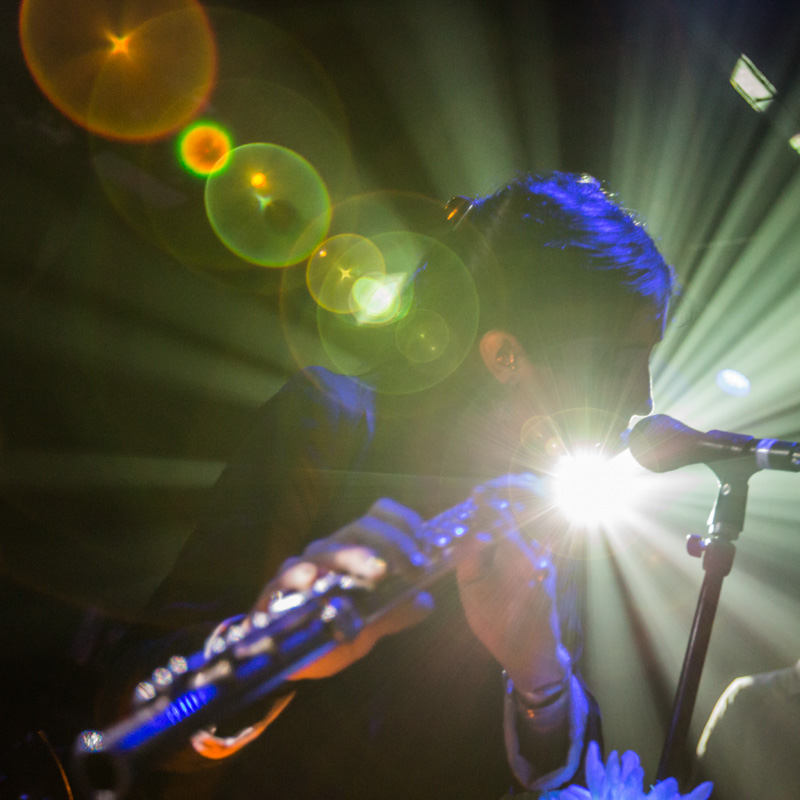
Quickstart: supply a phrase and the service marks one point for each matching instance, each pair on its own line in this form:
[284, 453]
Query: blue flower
[622, 780]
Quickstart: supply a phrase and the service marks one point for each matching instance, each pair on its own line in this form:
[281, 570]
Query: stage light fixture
[752, 84]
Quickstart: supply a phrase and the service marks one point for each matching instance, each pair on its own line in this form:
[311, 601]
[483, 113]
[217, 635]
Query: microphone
[660, 443]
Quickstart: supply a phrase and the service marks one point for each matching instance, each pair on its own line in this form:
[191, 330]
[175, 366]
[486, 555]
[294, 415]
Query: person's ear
[502, 354]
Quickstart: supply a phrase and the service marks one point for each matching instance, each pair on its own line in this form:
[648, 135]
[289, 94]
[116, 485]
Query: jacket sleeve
[270, 501]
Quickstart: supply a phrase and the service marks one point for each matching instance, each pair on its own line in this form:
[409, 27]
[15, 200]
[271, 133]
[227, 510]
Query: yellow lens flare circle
[545, 440]
[269, 205]
[337, 266]
[203, 148]
[134, 70]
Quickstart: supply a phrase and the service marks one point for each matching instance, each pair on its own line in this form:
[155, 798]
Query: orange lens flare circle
[203, 148]
[134, 70]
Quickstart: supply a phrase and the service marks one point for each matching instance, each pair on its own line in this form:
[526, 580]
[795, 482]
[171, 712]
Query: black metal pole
[718, 551]
[675, 760]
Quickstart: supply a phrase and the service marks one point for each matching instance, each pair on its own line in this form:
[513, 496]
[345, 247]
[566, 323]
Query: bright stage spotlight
[593, 491]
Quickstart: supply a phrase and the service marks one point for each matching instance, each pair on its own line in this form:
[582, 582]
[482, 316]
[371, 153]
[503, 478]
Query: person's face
[588, 387]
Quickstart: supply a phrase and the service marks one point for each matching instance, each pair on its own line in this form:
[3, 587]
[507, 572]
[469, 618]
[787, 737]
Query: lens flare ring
[269, 205]
[134, 82]
[336, 268]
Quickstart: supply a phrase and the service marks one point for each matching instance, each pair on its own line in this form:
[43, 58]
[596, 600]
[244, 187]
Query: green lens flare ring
[410, 326]
[269, 205]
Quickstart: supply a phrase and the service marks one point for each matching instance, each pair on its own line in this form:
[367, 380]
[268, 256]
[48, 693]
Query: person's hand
[381, 544]
[509, 596]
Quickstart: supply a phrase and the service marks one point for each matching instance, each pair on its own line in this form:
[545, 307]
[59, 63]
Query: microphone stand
[717, 550]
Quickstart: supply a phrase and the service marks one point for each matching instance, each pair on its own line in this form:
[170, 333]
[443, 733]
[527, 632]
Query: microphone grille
[660, 443]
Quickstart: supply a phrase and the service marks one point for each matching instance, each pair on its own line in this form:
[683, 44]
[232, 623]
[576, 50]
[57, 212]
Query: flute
[254, 657]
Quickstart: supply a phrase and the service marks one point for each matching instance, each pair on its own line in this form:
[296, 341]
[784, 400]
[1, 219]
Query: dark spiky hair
[559, 240]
